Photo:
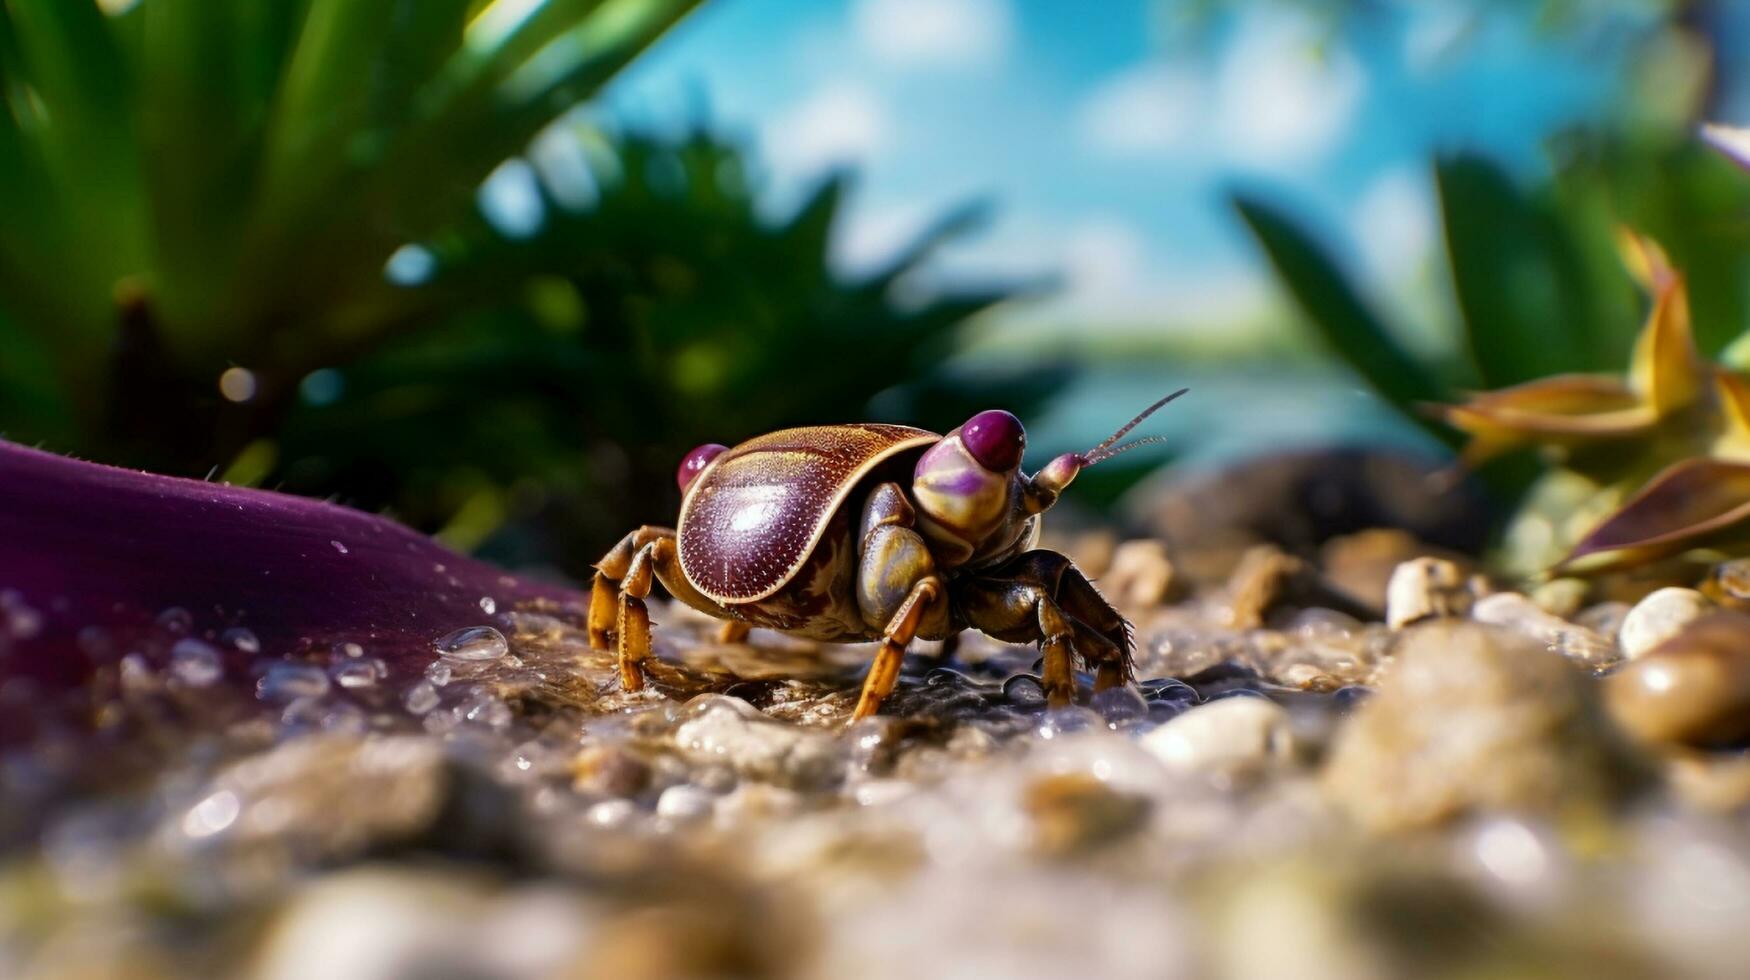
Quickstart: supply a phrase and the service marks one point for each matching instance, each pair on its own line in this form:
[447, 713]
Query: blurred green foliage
[293, 187]
[1539, 289]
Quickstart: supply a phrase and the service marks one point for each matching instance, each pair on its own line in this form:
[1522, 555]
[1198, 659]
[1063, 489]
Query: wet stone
[758, 748]
[1517, 613]
[1471, 718]
[1692, 690]
[1230, 734]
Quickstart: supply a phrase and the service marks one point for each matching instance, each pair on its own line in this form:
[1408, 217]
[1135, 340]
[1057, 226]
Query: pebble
[1140, 575]
[760, 749]
[1520, 615]
[1073, 812]
[1228, 735]
[1693, 690]
[1659, 617]
[1468, 717]
[1426, 588]
[684, 804]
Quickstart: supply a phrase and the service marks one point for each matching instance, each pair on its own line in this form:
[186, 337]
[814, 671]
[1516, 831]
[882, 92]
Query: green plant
[1539, 292]
[287, 194]
[665, 313]
[190, 186]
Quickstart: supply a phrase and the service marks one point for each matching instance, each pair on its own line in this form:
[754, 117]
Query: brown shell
[753, 517]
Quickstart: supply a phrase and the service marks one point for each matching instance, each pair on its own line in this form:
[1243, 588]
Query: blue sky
[1104, 139]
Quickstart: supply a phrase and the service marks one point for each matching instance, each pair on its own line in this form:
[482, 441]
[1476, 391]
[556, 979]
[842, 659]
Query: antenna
[1106, 450]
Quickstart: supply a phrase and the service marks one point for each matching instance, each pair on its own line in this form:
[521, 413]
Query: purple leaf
[92, 557]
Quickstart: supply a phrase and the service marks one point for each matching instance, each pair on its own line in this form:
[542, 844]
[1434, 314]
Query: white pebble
[684, 803]
[1224, 735]
[1426, 588]
[1659, 617]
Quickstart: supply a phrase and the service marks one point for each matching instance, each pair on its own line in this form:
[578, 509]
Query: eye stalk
[995, 439]
[695, 462]
[1040, 492]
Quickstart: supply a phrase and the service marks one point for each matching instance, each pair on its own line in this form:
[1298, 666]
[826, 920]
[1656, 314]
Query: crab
[868, 531]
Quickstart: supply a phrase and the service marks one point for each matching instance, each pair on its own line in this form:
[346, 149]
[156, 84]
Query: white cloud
[1393, 224]
[934, 32]
[867, 238]
[838, 124]
[1283, 102]
[1144, 110]
[1102, 258]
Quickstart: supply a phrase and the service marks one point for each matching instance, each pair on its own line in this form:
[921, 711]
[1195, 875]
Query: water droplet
[1350, 697]
[1025, 690]
[474, 643]
[195, 663]
[241, 638]
[348, 650]
[1063, 721]
[344, 716]
[438, 673]
[1166, 690]
[23, 622]
[357, 673]
[420, 698]
[611, 813]
[136, 674]
[303, 713]
[486, 709]
[488, 605]
[288, 682]
[1119, 705]
[338, 547]
[212, 815]
[176, 619]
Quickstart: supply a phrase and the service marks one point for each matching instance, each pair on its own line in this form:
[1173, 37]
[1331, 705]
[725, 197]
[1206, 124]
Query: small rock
[1659, 617]
[1728, 584]
[684, 803]
[1519, 614]
[1694, 689]
[1228, 735]
[1268, 578]
[609, 770]
[1074, 812]
[1468, 717]
[760, 749]
[1426, 588]
[1140, 575]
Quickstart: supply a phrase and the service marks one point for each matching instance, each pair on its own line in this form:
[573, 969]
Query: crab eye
[695, 462]
[994, 438]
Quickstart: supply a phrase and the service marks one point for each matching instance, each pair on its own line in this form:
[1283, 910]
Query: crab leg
[1040, 597]
[884, 672]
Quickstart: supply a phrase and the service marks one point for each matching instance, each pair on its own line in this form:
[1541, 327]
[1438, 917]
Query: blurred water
[1229, 413]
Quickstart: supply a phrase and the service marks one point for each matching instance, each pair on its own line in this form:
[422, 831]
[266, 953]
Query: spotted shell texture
[750, 520]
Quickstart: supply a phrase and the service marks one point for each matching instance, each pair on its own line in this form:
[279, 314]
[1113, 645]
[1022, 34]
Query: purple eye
[994, 438]
[695, 463]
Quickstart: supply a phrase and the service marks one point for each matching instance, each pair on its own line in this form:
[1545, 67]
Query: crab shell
[754, 517]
